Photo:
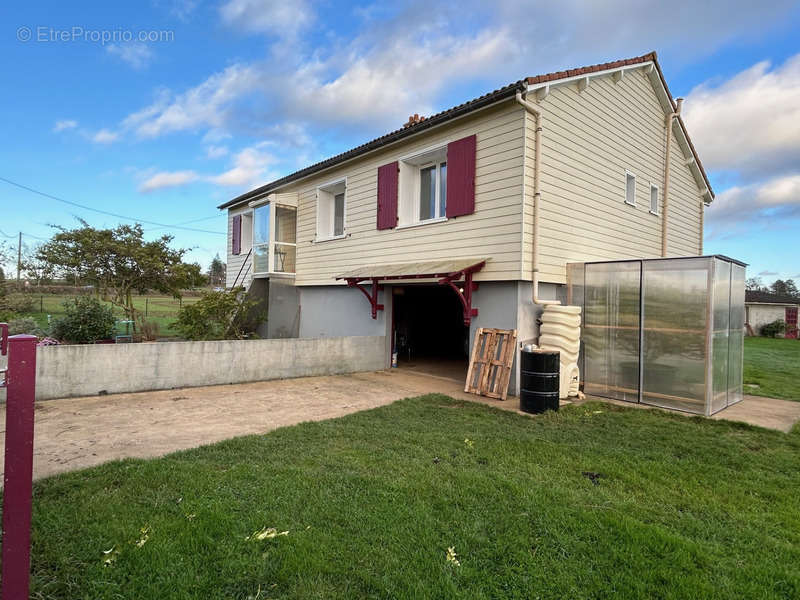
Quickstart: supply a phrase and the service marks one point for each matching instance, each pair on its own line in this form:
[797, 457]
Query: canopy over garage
[447, 272]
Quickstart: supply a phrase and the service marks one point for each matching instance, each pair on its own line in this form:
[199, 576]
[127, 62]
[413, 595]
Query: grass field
[596, 501]
[772, 367]
[160, 309]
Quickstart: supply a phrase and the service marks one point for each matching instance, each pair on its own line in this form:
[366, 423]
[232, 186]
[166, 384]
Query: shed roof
[761, 297]
[497, 95]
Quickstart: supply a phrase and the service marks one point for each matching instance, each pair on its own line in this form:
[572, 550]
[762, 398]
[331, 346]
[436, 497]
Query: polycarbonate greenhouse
[666, 332]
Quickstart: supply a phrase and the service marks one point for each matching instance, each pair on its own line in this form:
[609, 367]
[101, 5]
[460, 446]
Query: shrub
[216, 316]
[6, 316]
[18, 303]
[85, 320]
[773, 329]
[25, 325]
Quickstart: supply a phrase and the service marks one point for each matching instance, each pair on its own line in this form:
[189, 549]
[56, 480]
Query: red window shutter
[387, 195]
[461, 176]
[237, 234]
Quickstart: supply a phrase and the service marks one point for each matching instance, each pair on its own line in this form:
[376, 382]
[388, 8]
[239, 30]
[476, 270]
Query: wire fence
[149, 306]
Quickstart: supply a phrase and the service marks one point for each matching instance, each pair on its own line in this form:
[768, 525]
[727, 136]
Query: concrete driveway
[82, 432]
[75, 433]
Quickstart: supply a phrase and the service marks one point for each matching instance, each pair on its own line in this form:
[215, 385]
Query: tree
[784, 288]
[119, 262]
[33, 267]
[217, 272]
[754, 284]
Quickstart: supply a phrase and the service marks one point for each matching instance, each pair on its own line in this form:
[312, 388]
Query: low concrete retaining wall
[86, 370]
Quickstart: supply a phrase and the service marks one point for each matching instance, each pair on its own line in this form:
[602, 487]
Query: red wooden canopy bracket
[464, 293]
[372, 296]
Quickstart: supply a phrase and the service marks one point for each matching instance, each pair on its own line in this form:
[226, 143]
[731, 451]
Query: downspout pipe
[537, 195]
[670, 118]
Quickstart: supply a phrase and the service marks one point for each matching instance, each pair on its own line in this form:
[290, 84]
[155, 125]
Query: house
[762, 308]
[467, 218]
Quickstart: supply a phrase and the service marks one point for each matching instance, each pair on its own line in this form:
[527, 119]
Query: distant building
[762, 308]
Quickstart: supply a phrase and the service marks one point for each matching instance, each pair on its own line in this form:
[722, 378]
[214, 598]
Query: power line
[104, 212]
[36, 237]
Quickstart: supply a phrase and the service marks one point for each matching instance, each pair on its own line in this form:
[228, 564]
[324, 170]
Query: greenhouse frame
[666, 332]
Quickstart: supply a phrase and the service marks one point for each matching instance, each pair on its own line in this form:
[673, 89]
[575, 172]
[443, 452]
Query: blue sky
[222, 96]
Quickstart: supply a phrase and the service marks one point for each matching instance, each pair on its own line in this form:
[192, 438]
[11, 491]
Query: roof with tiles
[418, 125]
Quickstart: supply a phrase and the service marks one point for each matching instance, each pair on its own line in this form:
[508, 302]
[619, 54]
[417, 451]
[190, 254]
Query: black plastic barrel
[539, 380]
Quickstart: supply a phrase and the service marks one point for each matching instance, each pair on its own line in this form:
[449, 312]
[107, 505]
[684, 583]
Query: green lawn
[596, 501]
[160, 309]
[772, 367]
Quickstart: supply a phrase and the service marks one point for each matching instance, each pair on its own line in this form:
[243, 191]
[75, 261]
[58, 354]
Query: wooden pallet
[490, 364]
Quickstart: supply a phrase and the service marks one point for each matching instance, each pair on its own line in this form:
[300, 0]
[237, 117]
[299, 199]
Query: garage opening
[429, 333]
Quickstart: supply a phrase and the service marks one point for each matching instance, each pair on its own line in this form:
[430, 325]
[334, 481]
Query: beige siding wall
[590, 138]
[685, 204]
[493, 231]
[235, 261]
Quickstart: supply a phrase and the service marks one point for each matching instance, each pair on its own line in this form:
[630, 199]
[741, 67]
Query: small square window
[654, 199]
[331, 202]
[630, 189]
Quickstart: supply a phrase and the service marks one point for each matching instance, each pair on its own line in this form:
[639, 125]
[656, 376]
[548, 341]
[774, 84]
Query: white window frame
[327, 234]
[655, 212]
[246, 229]
[409, 200]
[271, 243]
[271, 236]
[632, 175]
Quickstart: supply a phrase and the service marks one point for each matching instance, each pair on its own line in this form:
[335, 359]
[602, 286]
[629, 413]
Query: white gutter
[670, 118]
[537, 196]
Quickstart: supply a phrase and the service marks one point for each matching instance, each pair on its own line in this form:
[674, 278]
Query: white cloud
[166, 179]
[248, 168]
[136, 54]
[216, 151]
[748, 123]
[204, 106]
[105, 136]
[753, 206]
[399, 76]
[767, 273]
[278, 17]
[64, 125]
[399, 64]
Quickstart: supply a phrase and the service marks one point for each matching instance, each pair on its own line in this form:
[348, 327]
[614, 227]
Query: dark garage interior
[429, 331]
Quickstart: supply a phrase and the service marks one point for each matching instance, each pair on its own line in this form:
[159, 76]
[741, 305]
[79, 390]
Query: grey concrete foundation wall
[85, 370]
[284, 309]
[335, 310]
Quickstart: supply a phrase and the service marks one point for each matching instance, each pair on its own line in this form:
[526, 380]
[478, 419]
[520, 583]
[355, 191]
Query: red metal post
[18, 476]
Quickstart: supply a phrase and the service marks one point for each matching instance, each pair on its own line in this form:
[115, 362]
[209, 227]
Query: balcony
[274, 239]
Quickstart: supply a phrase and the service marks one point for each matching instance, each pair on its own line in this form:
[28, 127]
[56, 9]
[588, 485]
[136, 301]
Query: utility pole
[19, 256]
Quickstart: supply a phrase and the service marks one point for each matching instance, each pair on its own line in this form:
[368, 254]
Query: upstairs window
[654, 199]
[331, 210]
[428, 187]
[630, 188]
[423, 187]
[433, 191]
